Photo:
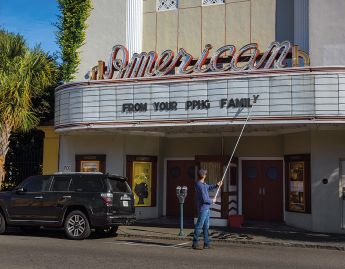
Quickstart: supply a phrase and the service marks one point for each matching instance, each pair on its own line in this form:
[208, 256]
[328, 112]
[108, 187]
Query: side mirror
[20, 190]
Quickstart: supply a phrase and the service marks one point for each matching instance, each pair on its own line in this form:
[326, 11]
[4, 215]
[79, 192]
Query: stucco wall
[106, 28]
[192, 26]
[50, 150]
[115, 147]
[327, 147]
[327, 32]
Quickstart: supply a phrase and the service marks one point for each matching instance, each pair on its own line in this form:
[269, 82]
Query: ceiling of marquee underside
[252, 130]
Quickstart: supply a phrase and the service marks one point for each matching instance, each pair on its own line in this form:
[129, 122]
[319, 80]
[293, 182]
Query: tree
[71, 34]
[25, 74]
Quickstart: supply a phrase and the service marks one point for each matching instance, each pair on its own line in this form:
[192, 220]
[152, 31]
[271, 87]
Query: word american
[224, 59]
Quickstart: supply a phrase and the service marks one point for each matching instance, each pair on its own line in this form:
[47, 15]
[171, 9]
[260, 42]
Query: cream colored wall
[297, 143]
[106, 28]
[252, 146]
[326, 29]
[327, 147]
[192, 26]
[115, 147]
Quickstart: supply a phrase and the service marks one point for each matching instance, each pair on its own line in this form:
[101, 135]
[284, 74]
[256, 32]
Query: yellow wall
[192, 25]
[50, 150]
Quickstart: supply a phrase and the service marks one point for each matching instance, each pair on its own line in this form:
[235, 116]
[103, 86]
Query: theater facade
[159, 111]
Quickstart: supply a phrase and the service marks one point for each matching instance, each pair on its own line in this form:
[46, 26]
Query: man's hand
[220, 183]
[214, 200]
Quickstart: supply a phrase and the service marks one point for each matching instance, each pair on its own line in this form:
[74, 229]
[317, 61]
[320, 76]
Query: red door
[180, 173]
[262, 182]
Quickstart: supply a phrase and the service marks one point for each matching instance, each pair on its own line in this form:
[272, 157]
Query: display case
[297, 183]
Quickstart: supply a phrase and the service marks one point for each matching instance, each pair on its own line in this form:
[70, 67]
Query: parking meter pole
[181, 220]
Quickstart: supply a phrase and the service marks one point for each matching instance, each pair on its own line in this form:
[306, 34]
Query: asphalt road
[52, 250]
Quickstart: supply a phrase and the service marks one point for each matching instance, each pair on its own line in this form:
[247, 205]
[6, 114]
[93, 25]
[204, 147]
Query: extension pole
[233, 152]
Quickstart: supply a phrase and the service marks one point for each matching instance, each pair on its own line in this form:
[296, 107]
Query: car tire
[2, 224]
[77, 225]
[107, 232]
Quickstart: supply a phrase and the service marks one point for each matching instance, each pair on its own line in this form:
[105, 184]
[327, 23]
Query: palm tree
[24, 75]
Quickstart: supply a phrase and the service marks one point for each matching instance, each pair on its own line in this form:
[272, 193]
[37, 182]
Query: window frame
[130, 159]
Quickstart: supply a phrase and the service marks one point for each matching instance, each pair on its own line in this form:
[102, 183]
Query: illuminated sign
[224, 59]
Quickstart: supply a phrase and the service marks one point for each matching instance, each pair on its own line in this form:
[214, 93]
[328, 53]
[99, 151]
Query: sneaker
[208, 247]
[197, 247]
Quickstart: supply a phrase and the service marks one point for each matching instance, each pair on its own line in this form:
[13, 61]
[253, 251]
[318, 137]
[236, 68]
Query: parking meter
[181, 193]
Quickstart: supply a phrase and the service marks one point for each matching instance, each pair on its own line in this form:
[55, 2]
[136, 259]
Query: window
[212, 2]
[61, 184]
[119, 185]
[163, 5]
[36, 184]
[90, 163]
[88, 183]
[298, 189]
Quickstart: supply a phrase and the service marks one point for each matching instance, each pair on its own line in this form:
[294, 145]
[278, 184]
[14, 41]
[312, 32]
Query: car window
[88, 183]
[61, 184]
[37, 184]
[119, 185]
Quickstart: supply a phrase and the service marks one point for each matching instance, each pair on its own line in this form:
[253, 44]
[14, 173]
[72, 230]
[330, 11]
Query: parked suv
[78, 202]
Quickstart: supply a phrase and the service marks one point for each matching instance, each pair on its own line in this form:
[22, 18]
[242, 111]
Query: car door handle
[38, 197]
[67, 196]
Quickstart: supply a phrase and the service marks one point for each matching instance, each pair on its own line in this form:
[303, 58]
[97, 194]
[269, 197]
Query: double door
[262, 185]
[180, 173]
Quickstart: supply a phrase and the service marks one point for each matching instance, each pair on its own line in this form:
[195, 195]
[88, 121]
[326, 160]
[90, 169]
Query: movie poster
[142, 183]
[89, 166]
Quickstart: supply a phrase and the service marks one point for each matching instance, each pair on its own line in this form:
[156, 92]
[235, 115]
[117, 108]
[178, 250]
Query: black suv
[78, 202]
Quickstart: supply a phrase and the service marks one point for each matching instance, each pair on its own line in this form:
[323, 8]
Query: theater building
[158, 116]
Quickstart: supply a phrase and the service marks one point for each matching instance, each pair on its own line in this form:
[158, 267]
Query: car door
[26, 200]
[56, 198]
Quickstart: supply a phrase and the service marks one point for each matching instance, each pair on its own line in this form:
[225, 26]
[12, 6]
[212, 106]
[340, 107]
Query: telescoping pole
[238, 140]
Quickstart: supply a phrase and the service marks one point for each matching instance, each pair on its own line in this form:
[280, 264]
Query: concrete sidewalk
[252, 233]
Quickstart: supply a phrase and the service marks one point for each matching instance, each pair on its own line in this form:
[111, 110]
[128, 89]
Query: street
[52, 250]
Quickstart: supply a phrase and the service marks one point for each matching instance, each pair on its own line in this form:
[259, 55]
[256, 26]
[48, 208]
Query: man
[204, 202]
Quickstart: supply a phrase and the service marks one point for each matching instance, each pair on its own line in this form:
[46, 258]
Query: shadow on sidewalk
[251, 231]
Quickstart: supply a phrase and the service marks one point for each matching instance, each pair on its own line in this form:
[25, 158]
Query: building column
[134, 26]
[50, 150]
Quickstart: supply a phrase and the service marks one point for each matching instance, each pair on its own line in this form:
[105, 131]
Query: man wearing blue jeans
[204, 202]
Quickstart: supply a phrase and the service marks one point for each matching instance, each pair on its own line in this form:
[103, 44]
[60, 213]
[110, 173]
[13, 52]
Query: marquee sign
[224, 59]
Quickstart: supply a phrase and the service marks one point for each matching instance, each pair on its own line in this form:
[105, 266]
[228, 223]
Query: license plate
[125, 203]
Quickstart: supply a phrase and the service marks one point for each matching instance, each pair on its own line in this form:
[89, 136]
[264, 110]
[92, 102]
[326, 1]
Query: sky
[33, 19]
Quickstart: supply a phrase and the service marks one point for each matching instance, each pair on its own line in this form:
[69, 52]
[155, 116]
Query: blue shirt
[201, 190]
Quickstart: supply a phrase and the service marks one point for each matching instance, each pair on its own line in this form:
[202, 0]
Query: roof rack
[82, 173]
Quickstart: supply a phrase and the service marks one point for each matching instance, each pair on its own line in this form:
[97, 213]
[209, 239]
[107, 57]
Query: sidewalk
[251, 233]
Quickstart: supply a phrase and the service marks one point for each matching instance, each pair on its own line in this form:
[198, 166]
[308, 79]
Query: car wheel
[77, 226]
[2, 224]
[110, 231]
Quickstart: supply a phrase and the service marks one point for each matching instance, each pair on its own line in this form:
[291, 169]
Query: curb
[263, 243]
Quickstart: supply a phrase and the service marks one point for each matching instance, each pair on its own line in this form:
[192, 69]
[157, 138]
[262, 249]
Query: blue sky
[33, 19]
